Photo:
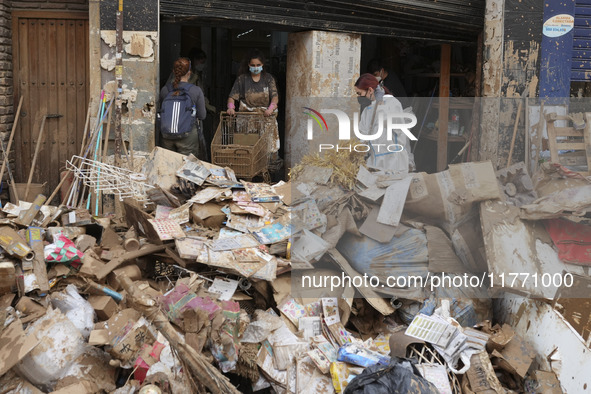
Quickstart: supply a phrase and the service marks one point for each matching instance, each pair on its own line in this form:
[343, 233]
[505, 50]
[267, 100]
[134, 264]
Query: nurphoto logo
[389, 124]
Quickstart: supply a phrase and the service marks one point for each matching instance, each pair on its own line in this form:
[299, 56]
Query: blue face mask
[256, 70]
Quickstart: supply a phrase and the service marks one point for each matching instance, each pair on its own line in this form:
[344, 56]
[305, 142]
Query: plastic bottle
[454, 123]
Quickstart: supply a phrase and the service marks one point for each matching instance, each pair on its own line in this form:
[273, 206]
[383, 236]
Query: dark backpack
[177, 112]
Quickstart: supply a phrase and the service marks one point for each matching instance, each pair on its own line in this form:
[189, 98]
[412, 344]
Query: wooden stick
[5, 160]
[206, 374]
[35, 155]
[56, 190]
[515, 131]
[107, 134]
[116, 262]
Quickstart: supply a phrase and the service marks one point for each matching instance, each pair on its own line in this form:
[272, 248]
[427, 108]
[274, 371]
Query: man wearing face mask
[388, 79]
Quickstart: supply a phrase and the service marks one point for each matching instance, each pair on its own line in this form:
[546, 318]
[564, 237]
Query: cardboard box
[79, 217]
[208, 215]
[448, 196]
[246, 139]
[104, 306]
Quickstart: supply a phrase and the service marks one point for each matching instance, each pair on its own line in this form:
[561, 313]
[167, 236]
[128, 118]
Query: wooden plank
[570, 145]
[444, 72]
[52, 65]
[42, 169]
[71, 96]
[81, 81]
[33, 110]
[552, 140]
[567, 132]
[62, 76]
[117, 261]
[19, 31]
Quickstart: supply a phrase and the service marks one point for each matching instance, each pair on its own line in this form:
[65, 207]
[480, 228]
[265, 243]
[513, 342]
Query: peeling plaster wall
[492, 78]
[321, 66]
[513, 31]
[521, 69]
[140, 68]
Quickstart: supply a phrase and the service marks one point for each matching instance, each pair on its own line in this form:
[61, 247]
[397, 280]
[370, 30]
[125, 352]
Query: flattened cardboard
[481, 375]
[393, 203]
[289, 194]
[442, 257]
[167, 229]
[516, 356]
[374, 230]
[136, 217]
[160, 167]
[14, 345]
[546, 382]
[190, 247]
[368, 293]
[193, 170]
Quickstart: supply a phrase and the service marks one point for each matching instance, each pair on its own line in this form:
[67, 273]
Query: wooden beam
[444, 74]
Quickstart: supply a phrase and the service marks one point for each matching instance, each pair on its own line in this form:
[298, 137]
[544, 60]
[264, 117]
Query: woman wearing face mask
[254, 87]
[257, 92]
[379, 104]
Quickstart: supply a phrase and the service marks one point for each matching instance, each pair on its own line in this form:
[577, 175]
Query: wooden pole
[206, 374]
[515, 131]
[119, 78]
[5, 160]
[35, 155]
[63, 180]
[444, 75]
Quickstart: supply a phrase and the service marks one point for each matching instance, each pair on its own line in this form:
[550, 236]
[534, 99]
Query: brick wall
[6, 107]
[7, 104]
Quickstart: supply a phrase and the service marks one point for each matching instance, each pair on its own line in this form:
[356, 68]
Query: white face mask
[379, 78]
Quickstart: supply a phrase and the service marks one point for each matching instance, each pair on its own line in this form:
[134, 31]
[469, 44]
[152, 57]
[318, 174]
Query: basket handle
[240, 150]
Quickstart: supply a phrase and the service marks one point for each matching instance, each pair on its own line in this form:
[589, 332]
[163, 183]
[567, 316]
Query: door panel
[51, 73]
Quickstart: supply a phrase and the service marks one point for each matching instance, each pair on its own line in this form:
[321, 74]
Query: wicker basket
[231, 147]
[425, 354]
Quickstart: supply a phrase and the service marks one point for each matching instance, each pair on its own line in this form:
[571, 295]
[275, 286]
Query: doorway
[51, 74]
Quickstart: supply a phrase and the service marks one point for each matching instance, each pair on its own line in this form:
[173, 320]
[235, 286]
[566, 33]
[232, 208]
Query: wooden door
[51, 73]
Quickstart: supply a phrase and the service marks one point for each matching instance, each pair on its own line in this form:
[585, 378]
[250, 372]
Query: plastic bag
[77, 309]
[400, 376]
[356, 354]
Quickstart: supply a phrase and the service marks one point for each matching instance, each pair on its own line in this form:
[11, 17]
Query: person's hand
[231, 111]
[268, 112]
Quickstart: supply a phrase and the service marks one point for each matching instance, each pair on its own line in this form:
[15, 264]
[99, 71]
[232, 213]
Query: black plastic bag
[400, 376]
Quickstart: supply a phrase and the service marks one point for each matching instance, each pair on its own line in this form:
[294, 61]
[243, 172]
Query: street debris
[199, 281]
